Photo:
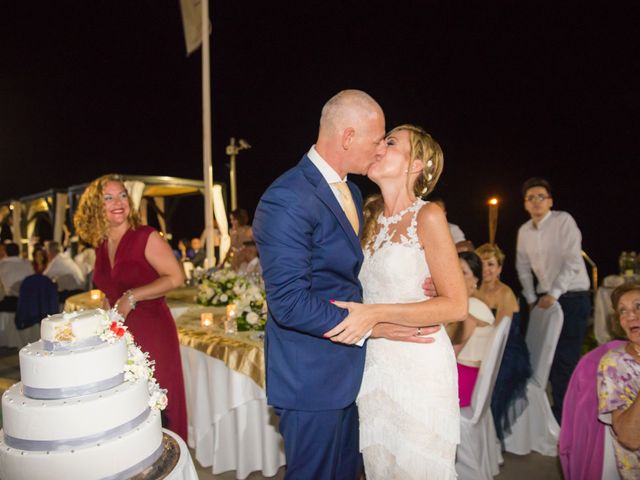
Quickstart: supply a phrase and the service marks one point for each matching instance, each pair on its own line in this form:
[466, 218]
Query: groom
[307, 226]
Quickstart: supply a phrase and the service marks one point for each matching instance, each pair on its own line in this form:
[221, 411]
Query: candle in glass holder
[230, 324]
[95, 294]
[206, 319]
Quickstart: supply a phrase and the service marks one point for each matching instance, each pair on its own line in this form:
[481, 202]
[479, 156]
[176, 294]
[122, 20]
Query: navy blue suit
[310, 254]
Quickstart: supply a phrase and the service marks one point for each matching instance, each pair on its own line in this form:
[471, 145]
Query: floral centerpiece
[251, 307]
[220, 287]
[138, 365]
[226, 286]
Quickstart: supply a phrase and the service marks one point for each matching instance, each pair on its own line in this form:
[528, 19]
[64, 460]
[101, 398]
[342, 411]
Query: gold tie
[347, 204]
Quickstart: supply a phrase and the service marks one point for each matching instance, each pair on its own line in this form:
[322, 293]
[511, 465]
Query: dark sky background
[509, 89]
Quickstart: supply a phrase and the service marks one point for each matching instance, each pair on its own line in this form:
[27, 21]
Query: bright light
[493, 201]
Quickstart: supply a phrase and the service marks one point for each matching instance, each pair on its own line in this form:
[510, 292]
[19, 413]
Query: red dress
[151, 323]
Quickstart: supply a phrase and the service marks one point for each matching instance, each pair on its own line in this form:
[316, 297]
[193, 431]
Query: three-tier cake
[87, 406]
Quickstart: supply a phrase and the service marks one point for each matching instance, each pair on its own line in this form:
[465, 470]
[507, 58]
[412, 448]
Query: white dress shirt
[327, 172]
[86, 260]
[12, 271]
[331, 176]
[65, 273]
[552, 251]
[251, 267]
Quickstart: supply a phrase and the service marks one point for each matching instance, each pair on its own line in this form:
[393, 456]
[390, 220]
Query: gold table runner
[242, 351]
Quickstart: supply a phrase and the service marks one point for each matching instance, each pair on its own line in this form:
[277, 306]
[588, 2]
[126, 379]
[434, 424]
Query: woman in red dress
[135, 268]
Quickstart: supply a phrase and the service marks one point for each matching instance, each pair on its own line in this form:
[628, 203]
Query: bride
[408, 401]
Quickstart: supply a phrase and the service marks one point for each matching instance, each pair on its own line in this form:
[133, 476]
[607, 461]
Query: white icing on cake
[93, 462]
[40, 368]
[73, 415]
[74, 326]
[71, 418]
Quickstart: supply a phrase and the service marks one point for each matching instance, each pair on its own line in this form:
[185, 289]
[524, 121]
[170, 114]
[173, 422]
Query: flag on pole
[192, 24]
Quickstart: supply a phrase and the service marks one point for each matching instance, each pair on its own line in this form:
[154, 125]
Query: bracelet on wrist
[131, 299]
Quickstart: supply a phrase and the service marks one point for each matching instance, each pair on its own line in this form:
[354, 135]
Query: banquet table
[230, 425]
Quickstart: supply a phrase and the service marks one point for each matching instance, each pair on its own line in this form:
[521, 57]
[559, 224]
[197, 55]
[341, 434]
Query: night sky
[509, 89]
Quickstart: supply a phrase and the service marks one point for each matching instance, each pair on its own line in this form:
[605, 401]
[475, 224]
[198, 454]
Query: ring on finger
[419, 332]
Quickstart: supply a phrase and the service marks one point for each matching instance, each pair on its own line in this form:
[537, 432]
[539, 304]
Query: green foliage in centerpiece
[226, 286]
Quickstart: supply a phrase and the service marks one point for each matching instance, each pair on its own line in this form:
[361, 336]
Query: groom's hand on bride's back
[400, 333]
[429, 288]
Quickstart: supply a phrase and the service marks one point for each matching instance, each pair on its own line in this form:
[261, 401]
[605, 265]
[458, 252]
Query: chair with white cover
[9, 334]
[478, 454]
[536, 429]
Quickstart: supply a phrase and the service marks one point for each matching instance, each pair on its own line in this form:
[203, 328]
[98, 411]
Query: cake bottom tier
[118, 458]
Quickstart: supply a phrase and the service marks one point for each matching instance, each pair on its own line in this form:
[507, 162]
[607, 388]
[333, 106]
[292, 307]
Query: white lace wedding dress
[408, 402]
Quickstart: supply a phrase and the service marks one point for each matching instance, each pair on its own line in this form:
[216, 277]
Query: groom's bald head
[348, 108]
[351, 133]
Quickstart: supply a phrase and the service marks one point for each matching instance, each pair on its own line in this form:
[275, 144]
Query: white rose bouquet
[221, 287]
[252, 308]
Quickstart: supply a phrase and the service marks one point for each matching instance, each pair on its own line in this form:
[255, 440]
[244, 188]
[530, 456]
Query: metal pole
[206, 136]
[232, 173]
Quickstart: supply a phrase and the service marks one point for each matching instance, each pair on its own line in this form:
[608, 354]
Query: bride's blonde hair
[422, 147]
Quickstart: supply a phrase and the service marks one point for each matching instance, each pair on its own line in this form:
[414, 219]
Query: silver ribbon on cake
[76, 391]
[72, 443]
[138, 467]
[50, 346]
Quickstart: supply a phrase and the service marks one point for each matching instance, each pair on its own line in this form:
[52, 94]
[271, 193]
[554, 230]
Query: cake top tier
[73, 326]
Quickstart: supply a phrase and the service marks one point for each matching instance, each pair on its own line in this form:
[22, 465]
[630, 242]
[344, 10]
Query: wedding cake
[87, 406]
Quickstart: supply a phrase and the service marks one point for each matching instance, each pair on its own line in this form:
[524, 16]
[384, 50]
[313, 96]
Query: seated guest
[515, 368]
[472, 337]
[619, 383]
[456, 232]
[199, 252]
[64, 272]
[465, 246]
[582, 436]
[86, 257]
[240, 230]
[184, 251]
[249, 261]
[39, 261]
[13, 269]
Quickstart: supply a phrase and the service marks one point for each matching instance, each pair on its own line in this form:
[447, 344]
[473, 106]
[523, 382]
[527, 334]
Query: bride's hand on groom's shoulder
[357, 324]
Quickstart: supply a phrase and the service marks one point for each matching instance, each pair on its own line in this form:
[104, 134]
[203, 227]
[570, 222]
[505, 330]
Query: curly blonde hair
[423, 148]
[90, 219]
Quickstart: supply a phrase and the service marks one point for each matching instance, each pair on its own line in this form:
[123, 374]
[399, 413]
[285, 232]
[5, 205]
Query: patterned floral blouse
[618, 387]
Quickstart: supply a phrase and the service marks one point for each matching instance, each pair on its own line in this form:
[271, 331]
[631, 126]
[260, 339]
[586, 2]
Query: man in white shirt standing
[550, 247]
[64, 272]
[13, 269]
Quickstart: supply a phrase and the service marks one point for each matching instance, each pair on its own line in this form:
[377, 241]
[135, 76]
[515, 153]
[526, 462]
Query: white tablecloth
[230, 425]
[184, 469]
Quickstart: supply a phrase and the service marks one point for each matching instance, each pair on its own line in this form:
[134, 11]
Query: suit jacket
[309, 255]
